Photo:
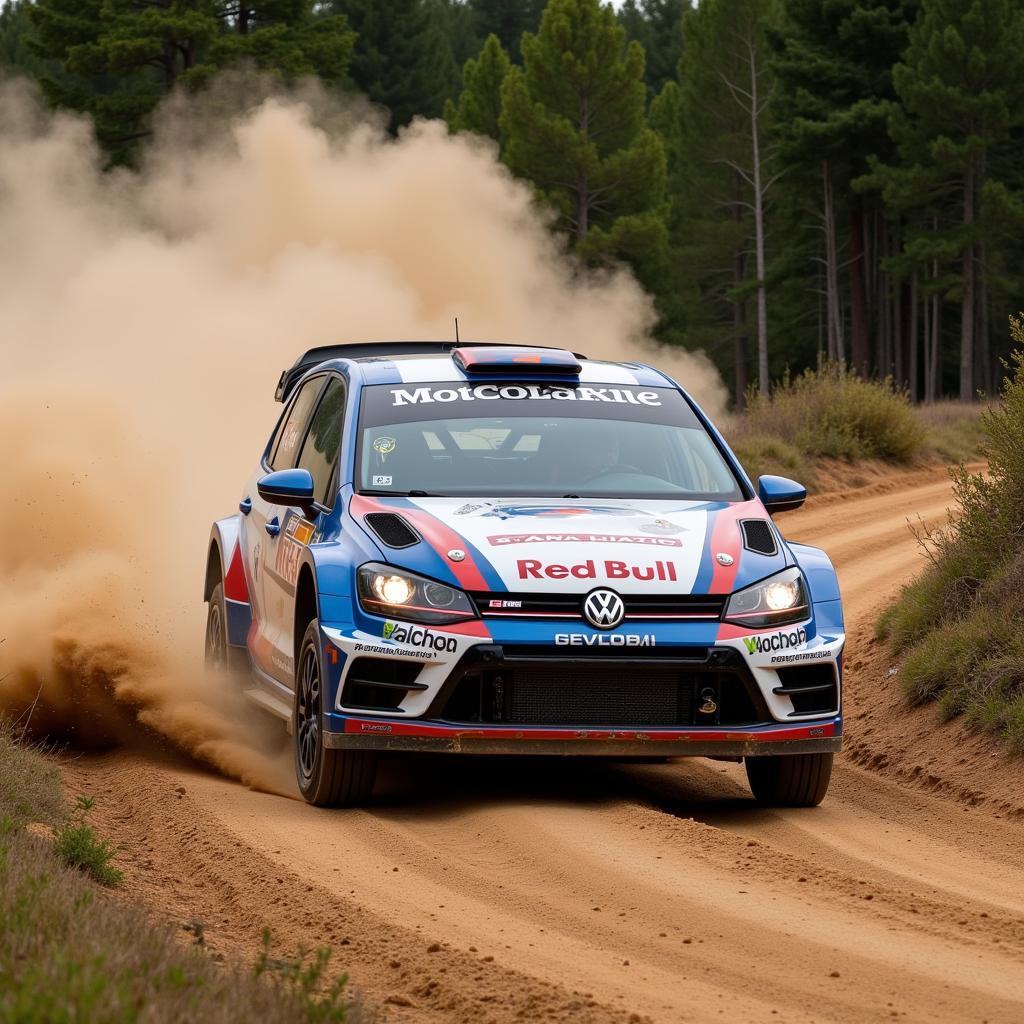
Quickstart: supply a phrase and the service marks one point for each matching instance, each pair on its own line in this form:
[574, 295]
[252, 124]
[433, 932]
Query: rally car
[499, 549]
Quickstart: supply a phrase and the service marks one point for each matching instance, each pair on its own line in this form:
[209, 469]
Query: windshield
[537, 440]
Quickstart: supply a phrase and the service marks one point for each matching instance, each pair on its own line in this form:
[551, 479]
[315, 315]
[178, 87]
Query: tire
[326, 777]
[790, 780]
[218, 655]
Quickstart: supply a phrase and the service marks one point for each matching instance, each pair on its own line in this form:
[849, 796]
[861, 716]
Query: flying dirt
[145, 313]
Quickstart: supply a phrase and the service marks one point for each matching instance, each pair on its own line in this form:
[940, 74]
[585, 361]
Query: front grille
[811, 688]
[669, 607]
[637, 695]
[393, 530]
[758, 536]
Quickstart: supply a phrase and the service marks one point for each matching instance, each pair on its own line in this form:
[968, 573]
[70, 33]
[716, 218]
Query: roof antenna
[456, 330]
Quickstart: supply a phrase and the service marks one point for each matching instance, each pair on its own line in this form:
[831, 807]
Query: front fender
[818, 569]
[220, 551]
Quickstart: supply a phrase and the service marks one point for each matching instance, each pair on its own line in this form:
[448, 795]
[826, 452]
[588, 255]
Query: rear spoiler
[378, 350]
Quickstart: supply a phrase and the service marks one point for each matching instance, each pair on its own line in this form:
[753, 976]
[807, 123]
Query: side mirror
[288, 487]
[778, 494]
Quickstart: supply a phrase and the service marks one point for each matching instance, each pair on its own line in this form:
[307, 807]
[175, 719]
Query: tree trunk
[836, 347]
[982, 341]
[912, 341]
[936, 342]
[859, 350]
[763, 382]
[741, 376]
[967, 293]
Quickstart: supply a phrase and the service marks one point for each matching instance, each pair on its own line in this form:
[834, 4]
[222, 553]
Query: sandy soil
[509, 891]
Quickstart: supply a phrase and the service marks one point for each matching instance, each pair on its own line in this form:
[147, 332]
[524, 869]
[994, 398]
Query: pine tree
[657, 25]
[120, 57]
[479, 107]
[506, 19]
[402, 60]
[573, 123]
[835, 91]
[726, 172]
[961, 87]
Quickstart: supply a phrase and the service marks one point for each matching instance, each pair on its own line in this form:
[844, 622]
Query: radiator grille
[598, 697]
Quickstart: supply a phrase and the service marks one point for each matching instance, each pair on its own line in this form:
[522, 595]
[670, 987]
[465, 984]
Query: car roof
[410, 362]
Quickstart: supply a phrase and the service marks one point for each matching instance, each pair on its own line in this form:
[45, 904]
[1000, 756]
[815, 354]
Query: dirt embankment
[509, 891]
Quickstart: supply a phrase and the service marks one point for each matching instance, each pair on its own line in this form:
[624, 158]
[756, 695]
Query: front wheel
[790, 780]
[326, 777]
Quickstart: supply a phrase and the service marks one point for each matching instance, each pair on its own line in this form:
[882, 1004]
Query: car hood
[573, 545]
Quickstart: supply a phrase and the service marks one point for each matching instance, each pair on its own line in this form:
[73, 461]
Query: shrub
[78, 846]
[959, 623]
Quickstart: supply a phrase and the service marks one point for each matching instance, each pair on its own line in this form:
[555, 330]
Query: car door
[318, 453]
[262, 523]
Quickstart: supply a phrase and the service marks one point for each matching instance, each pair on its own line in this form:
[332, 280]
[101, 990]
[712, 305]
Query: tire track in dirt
[602, 891]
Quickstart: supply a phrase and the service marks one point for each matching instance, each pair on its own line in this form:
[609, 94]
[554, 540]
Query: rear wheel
[219, 655]
[792, 780]
[326, 777]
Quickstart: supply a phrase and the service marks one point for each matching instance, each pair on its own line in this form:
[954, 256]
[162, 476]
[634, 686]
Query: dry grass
[69, 952]
[832, 414]
[959, 624]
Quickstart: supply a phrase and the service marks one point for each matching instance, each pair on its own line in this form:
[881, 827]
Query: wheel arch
[220, 549]
[306, 605]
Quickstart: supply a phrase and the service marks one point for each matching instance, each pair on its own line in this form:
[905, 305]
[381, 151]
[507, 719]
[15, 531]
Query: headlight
[397, 594]
[776, 601]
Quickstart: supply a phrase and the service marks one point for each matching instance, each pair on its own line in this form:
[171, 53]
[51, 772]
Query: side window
[320, 450]
[289, 437]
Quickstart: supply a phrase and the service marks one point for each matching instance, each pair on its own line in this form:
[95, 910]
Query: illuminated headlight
[398, 594]
[776, 601]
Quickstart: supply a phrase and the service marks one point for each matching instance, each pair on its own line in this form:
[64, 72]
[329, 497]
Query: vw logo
[603, 609]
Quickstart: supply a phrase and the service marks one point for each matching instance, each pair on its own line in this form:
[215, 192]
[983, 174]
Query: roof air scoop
[513, 359]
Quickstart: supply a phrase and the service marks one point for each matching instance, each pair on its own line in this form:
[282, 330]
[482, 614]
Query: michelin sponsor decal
[605, 640]
[522, 392]
[821, 654]
[770, 643]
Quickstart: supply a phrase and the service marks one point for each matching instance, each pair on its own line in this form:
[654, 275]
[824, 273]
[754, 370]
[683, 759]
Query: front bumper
[390, 735]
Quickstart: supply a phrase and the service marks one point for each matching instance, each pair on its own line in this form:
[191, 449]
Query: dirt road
[524, 891]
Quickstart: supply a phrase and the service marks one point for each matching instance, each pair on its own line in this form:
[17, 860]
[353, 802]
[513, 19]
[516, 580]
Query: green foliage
[506, 19]
[479, 108]
[830, 413]
[657, 25]
[303, 979]
[77, 846]
[573, 121]
[959, 623]
[66, 955]
[402, 60]
[120, 57]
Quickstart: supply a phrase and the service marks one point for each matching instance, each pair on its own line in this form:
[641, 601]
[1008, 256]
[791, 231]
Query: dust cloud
[144, 319]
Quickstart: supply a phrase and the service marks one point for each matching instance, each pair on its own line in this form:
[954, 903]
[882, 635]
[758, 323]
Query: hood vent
[758, 536]
[391, 529]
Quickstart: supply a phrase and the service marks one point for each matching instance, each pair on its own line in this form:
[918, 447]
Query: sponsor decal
[385, 445]
[819, 655]
[605, 640]
[374, 727]
[465, 510]
[610, 569]
[504, 604]
[583, 538]
[767, 644]
[522, 392]
[662, 526]
[549, 512]
[382, 481]
[416, 636]
[296, 535]
[378, 649]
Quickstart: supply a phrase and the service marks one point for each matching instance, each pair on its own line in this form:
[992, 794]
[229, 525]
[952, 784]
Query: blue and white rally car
[496, 549]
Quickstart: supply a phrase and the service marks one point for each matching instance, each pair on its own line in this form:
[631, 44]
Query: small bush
[78, 846]
[959, 623]
[833, 413]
